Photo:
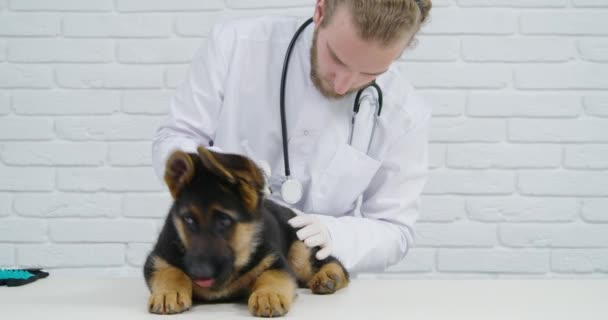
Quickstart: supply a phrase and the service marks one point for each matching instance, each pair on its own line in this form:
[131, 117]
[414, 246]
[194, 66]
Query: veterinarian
[355, 178]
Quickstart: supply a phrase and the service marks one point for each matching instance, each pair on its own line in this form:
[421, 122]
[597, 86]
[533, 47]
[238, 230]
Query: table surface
[125, 298]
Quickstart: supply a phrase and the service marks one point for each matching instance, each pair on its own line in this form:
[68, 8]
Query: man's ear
[319, 12]
[179, 171]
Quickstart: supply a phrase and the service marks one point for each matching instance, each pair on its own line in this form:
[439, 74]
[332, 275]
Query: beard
[322, 84]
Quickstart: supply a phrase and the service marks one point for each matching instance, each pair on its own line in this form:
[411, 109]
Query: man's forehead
[358, 55]
[341, 61]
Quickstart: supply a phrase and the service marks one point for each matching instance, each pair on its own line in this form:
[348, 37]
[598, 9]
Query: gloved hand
[313, 232]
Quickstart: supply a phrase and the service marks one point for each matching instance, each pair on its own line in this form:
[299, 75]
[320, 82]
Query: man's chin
[331, 94]
[327, 92]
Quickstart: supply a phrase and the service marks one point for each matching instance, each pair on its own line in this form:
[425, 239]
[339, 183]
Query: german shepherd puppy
[223, 241]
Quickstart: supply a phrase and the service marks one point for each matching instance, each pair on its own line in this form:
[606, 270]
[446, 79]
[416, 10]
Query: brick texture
[518, 141]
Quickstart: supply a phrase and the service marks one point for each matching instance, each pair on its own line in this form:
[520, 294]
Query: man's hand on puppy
[313, 232]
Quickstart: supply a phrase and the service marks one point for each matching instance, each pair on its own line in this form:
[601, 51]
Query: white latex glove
[313, 232]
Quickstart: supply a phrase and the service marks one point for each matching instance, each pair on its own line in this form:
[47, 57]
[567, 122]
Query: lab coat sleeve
[197, 101]
[390, 206]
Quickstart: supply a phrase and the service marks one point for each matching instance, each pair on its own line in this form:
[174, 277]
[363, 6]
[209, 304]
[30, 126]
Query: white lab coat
[231, 96]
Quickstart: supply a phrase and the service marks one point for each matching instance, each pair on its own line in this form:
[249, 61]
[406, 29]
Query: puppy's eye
[223, 220]
[188, 220]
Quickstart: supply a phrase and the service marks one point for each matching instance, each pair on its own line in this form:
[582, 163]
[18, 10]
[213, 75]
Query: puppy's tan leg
[322, 277]
[298, 258]
[171, 289]
[330, 278]
[272, 294]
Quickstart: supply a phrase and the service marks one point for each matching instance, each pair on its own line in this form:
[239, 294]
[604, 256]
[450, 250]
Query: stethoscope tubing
[282, 101]
[282, 95]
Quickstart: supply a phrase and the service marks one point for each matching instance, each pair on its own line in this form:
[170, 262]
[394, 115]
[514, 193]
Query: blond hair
[385, 21]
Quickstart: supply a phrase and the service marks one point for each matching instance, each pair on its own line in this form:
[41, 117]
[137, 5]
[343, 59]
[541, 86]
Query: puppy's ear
[251, 182]
[216, 163]
[238, 170]
[178, 172]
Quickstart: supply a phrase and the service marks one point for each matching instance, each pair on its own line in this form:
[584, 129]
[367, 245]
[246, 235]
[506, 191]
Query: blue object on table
[19, 277]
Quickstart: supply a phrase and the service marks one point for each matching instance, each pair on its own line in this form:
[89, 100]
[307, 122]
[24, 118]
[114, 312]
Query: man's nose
[343, 81]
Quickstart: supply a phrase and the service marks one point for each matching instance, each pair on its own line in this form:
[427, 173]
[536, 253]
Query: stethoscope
[291, 189]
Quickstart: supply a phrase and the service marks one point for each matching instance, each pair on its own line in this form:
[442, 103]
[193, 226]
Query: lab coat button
[306, 132]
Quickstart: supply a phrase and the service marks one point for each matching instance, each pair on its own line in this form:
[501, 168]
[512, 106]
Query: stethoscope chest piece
[291, 191]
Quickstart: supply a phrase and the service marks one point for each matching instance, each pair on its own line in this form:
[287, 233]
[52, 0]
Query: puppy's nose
[202, 270]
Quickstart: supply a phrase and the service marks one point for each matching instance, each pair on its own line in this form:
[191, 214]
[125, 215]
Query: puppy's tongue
[204, 282]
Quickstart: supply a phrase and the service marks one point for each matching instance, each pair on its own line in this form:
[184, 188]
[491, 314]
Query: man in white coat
[360, 197]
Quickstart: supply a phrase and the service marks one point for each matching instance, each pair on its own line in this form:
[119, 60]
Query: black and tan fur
[221, 227]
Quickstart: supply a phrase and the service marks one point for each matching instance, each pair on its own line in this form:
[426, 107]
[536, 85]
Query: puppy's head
[215, 212]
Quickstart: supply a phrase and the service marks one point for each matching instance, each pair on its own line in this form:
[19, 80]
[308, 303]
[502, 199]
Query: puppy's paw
[267, 303]
[169, 302]
[330, 278]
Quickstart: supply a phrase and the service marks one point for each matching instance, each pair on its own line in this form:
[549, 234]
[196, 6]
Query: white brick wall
[519, 138]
